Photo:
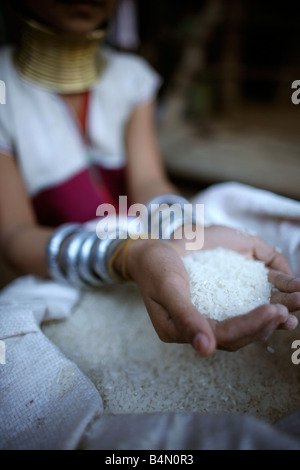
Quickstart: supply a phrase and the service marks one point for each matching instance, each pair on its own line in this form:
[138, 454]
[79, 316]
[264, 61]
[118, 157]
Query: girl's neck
[64, 64]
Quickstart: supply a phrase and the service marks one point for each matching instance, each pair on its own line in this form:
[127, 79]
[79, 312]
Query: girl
[73, 111]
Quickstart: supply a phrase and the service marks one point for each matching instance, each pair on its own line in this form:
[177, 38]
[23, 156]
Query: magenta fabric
[77, 199]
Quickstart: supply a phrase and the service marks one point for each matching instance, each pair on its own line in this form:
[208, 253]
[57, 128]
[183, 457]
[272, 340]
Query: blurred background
[225, 106]
[224, 109]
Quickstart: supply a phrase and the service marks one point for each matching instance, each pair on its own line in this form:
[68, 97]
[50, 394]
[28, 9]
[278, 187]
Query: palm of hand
[165, 290]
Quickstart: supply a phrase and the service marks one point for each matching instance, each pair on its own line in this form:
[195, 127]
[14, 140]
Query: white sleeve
[144, 84]
[141, 81]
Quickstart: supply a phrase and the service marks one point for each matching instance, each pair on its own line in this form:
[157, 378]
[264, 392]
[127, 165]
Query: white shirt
[37, 126]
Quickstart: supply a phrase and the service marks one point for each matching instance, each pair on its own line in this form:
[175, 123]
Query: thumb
[204, 344]
[194, 327]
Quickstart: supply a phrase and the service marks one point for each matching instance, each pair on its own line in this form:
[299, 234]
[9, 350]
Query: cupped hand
[257, 325]
[248, 245]
[162, 279]
[160, 274]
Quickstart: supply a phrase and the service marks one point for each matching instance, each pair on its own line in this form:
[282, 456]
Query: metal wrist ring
[54, 247]
[100, 261]
[85, 261]
[103, 252]
[168, 199]
[70, 260]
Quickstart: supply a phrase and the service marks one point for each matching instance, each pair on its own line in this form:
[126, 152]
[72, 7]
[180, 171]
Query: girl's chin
[78, 30]
[75, 17]
[79, 25]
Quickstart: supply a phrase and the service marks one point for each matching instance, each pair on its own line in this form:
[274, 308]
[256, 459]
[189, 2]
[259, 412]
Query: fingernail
[292, 322]
[201, 343]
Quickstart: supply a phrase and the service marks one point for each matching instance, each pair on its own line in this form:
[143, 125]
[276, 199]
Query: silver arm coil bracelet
[54, 250]
[78, 257]
[71, 260]
[187, 214]
[104, 250]
[100, 260]
[85, 265]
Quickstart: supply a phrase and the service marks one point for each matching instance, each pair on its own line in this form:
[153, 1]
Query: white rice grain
[225, 283]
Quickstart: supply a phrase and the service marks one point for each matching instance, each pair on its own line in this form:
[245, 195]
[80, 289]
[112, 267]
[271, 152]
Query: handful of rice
[224, 283]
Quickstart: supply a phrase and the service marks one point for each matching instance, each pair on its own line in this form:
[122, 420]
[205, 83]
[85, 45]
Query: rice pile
[111, 339]
[224, 283]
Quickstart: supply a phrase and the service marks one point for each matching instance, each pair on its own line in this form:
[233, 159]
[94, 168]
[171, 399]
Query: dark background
[259, 40]
[227, 69]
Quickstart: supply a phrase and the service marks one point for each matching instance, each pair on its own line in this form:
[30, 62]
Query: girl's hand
[160, 274]
[248, 245]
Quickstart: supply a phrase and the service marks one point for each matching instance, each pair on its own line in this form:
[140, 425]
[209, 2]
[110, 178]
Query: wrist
[127, 261]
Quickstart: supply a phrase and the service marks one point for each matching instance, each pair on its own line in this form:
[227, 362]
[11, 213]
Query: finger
[196, 328]
[162, 323]
[290, 324]
[191, 326]
[284, 282]
[291, 301]
[271, 257]
[257, 325]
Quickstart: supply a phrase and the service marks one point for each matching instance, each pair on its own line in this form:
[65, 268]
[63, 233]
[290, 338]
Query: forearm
[24, 249]
[146, 175]
[144, 191]
[22, 241]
